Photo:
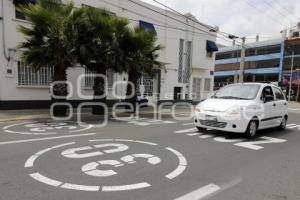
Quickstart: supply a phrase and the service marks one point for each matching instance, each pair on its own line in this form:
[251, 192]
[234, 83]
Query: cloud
[242, 17]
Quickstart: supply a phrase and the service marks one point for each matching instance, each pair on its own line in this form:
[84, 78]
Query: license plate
[211, 118]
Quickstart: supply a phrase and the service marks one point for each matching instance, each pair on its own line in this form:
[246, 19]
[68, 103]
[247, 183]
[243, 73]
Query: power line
[278, 11]
[156, 24]
[284, 8]
[262, 11]
[165, 15]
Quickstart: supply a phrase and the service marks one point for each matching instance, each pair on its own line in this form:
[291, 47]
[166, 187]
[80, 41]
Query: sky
[244, 18]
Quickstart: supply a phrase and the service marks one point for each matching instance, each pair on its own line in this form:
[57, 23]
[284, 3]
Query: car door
[281, 105]
[269, 112]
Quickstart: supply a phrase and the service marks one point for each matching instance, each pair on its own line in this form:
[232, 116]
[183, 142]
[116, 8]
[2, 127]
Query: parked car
[243, 108]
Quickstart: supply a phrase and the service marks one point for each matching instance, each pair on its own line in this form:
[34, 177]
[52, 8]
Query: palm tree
[100, 47]
[53, 41]
[139, 54]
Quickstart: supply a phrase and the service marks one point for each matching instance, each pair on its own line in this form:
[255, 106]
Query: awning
[25, 2]
[211, 46]
[147, 26]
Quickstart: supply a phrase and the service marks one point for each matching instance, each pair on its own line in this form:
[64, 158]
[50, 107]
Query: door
[177, 93]
[281, 104]
[197, 89]
[268, 118]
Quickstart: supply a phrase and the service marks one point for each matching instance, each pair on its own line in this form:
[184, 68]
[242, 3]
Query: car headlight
[234, 111]
[198, 109]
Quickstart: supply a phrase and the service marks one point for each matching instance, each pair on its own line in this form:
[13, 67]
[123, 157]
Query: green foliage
[52, 38]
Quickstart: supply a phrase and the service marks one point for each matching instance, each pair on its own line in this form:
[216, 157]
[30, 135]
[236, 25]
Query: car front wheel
[283, 124]
[200, 129]
[252, 129]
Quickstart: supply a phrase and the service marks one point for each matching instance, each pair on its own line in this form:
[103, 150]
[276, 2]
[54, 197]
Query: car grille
[213, 123]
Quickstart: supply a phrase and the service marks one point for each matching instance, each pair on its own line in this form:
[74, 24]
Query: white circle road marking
[31, 160]
[39, 128]
[181, 167]
[88, 168]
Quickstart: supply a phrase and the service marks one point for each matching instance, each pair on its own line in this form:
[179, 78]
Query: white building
[188, 54]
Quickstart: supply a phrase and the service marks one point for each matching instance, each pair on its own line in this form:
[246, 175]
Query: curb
[46, 116]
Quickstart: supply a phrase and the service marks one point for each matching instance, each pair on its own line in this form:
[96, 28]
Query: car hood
[222, 105]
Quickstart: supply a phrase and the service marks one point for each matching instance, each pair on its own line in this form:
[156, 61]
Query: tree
[100, 48]
[139, 54]
[53, 40]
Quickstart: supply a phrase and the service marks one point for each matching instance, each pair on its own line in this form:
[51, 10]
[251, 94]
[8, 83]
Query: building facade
[262, 63]
[188, 57]
[266, 61]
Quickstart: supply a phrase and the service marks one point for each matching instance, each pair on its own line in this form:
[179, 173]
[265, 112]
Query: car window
[267, 91]
[245, 92]
[278, 94]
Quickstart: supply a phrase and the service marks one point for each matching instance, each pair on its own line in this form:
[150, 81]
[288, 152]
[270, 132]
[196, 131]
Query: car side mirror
[268, 98]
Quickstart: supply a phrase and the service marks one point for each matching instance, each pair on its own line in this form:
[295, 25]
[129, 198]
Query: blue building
[263, 63]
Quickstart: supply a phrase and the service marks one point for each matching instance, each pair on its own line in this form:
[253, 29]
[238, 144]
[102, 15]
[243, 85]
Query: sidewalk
[294, 105]
[23, 115]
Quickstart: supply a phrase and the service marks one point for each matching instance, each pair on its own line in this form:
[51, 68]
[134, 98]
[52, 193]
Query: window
[91, 7]
[267, 91]
[207, 83]
[188, 62]
[89, 79]
[29, 76]
[278, 94]
[196, 89]
[296, 34]
[19, 15]
[211, 47]
[209, 54]
[269, 50]
[180, 66]
[241, 92]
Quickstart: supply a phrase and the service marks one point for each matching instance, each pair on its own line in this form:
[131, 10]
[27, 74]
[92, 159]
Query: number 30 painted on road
[91, 168]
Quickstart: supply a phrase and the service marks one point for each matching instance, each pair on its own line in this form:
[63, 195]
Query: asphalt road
[144, 159]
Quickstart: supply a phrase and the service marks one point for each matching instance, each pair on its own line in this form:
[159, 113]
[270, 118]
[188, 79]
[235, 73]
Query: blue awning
[211, 46]
[147, 26]
[25, 2]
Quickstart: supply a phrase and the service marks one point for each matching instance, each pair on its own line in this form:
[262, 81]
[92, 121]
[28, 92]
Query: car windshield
[242, 92]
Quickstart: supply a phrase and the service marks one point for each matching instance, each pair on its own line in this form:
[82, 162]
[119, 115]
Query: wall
[168, 37]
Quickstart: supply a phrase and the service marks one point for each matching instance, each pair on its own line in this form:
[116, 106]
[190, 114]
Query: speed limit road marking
[45, 128]
[100, 168]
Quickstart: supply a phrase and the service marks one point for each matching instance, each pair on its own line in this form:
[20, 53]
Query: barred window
[180, 66]
[29, 76]
[90, 78]
[188, 62]
[207, 84]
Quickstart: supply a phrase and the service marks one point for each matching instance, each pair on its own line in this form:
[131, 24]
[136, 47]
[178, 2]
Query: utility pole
[291, 75]
[242, 64]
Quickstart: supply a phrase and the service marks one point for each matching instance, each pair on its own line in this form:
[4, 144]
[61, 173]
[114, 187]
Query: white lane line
[205, 136]
[200, 193]
[187, 124]
[190, 130]
[39, 177]
[30, 161]
[193, 134]
[47, 138]
[143, 142]
[71, 186]
[125, 187]
[294, 109]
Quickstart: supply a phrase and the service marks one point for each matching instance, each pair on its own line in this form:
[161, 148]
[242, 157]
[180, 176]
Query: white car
[243, 108]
